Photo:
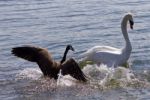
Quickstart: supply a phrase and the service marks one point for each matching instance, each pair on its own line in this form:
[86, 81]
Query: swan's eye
[131, 22]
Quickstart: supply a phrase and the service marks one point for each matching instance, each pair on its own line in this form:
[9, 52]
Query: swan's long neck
[128, 47]
[65, 54]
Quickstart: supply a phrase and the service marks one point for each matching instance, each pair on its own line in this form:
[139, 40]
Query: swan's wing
[72, 68]
[96, 49]
[38, 55]
[104, 48]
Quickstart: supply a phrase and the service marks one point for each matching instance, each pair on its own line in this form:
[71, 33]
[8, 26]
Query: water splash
[105, 77]
[102, 77]
[59, 77]
[66, 80]
[29, 73]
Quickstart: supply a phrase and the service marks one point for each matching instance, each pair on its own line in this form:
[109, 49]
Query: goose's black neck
[65, 54]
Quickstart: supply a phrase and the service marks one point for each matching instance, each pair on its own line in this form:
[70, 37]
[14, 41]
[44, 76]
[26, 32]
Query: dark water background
[83, 23]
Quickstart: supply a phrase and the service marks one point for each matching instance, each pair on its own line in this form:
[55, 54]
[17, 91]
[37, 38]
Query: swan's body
[109, 55]
[48, 66]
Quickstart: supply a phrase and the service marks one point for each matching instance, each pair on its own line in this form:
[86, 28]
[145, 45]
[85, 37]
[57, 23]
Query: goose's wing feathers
[30, 53]
[38, 55]
[72, 68]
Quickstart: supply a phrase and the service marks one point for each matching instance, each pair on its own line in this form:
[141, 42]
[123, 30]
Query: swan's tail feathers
[72, 68]
[27, 53]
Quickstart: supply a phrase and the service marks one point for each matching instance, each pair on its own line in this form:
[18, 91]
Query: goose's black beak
[131, 24]
[72, 48]
[69, 47]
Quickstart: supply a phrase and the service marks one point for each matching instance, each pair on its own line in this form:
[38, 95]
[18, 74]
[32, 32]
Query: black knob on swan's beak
[131, 24]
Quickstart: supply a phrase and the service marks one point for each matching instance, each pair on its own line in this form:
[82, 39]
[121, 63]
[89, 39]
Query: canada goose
[109, 55]
[48, 66]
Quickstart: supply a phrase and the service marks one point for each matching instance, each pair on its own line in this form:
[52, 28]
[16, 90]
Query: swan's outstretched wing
[72, 68]
[38, 55]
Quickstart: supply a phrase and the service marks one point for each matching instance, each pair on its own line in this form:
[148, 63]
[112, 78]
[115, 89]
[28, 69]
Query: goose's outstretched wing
[38, 55]
[29, 53]
[72, 68]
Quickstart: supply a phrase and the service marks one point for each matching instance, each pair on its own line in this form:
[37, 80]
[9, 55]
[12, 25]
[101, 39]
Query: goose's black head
[69, 47]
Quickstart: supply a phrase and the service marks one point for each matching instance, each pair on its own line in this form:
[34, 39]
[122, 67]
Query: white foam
[106, 76]
[66, 80]
[29, 73]
[99, 76]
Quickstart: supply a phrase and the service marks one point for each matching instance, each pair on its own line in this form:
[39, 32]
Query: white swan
[109, 55]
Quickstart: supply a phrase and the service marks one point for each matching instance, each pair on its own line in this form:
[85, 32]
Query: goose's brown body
[48, 66]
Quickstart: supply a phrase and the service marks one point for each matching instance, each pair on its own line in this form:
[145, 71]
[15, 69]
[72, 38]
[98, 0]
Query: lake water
[53, 24]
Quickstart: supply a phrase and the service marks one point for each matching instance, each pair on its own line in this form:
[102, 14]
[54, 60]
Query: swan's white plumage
[109, 55]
